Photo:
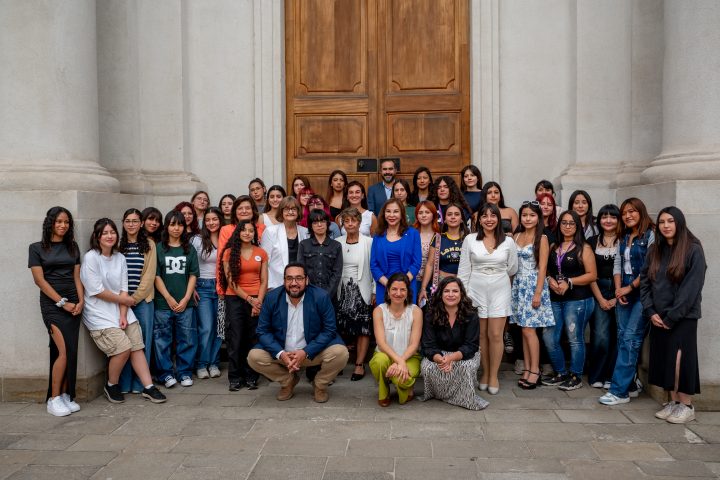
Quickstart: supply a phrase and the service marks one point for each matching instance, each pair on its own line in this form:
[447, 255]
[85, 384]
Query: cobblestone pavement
[206, 432]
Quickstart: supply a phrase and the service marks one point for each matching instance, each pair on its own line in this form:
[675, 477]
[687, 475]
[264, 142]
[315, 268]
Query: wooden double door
[376, 79]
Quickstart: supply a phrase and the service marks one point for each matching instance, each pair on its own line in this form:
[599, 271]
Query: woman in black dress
[55, 265]
[671, 282]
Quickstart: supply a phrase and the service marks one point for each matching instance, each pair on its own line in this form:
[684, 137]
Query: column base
[34, 389]
[683, 166]
[148, 182]
[598, 181]
[79, 175]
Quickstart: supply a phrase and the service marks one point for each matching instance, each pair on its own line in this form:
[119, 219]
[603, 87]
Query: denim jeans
[183, 326]
[603, 337]
[208, 352]
[571, 316]
[632, 326]
[145, 313]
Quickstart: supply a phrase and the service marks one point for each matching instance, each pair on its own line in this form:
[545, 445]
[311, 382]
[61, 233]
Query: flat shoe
[356, 377]
[483, 387]
[385, 402]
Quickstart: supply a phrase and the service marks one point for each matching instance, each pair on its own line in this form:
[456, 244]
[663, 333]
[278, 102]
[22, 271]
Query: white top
[99, 273]
[274, 242]
[207, 264]
[365, 224]
[295, 334]
[397, 330]
[356, 265]
[269, 222]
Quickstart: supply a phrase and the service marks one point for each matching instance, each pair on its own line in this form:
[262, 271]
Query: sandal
[358, 376]
[528, 385]
[523, 381]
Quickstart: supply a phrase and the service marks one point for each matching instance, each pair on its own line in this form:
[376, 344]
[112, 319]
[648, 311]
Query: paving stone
[591, 403]
[274, 467]
[401, 447]
[10, 408]
[218, 445]
[191, 411]
[360, 465]
[685, 451]
[207, 473]
[522, 476]
[592, 416]
[217, 428]
[538, 431]
[714, 467]
[304, 398]
[434, 468]
[242, 462]
[10, 457]
[188, 399]
[141, 465]
[707, 418]
[446, 413]
[520, 416]
[102, 443]
[709, 433]
[308, 446]
[562, 450]
[34, 423]
[327, 413]
[6, 440]
[253, 413]
[44, 441]
[319, 429]
[151, 443]
[601, 470]
[134, 411]
[73, 458]
[153, 426]
[630, 451]
[89, 425]
[520, 466]
[228, 401]
[664, 432]
[7, 469]
[682, 468]
[53, 472]
[643, 416]
[358, 476]
[430, 430]
[480, 449]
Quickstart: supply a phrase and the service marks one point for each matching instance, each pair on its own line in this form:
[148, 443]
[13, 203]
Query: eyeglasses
[298, 279]
[565, 223]
[531, 202]
[131, 222]
[290, 210]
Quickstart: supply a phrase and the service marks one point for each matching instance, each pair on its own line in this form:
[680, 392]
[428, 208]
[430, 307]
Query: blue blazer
[410, 262]
[376, 197]
[318, 321]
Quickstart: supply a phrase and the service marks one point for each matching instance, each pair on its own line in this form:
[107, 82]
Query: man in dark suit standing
[297, 329]
[379, 193]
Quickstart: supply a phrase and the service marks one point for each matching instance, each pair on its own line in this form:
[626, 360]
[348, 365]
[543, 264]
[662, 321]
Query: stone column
[691, 94]
[48, 93]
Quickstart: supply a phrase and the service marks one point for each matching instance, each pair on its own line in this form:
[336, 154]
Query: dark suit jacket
[376, 197]
[318, 321]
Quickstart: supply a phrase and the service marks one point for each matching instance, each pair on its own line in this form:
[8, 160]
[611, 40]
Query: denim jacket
[638, 252]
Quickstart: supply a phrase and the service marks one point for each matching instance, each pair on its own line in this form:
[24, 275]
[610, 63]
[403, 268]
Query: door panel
[376, 78]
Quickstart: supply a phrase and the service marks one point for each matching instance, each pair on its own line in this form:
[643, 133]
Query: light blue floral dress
[523, 290]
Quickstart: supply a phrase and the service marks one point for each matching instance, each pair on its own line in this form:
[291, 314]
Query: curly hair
[234, 243]
[47, 231]
[437, 313]
[456, 195]
[175, 216]
[142, 239]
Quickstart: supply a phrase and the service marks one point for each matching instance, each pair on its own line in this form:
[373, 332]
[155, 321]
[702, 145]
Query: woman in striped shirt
[141, 261]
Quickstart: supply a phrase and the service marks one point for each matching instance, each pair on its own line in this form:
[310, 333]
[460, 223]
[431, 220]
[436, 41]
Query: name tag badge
[258, 258]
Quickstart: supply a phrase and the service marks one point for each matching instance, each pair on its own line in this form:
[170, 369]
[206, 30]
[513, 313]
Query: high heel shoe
[483, 387]
[528, 385]
[493, 390]
[523, 381]
[358, 376]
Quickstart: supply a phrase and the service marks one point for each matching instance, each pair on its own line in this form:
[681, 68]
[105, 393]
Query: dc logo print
[175, 264]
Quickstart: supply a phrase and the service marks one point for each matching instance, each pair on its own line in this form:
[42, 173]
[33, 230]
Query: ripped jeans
[571, 316]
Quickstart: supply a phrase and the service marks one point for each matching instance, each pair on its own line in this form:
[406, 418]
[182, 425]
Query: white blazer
[365, 279]
[274, 242]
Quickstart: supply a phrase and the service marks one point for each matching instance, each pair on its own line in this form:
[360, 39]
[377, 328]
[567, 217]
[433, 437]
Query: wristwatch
[61, 303]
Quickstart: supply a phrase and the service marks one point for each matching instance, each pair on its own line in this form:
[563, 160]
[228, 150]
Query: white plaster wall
[537, 100]
[219, 74]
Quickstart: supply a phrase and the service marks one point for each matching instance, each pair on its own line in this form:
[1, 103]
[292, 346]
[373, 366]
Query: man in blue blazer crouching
[297, 329]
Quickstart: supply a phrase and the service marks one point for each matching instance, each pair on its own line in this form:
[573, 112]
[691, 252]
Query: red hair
[433, 209]
[552, 219]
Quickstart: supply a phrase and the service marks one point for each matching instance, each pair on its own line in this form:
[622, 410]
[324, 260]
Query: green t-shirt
[175, 268]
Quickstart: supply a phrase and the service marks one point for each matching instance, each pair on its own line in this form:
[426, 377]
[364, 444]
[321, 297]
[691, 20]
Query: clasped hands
[399, 370]
[293, 360]
[657, 321]
[444, 362]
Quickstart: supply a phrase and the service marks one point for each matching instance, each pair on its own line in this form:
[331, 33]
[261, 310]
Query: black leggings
[240, 336]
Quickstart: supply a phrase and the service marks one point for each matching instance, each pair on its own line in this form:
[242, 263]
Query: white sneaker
[610, 399]
[666, 411]
[597, 385]
[170, 382]
[214, 371]
[56, 406]
[607, 385]
[202, 373]
[519, 367]
[72, 406]
[681, 414]
[186, 382]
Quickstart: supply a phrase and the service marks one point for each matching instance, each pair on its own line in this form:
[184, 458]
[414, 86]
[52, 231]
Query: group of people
[429, 273]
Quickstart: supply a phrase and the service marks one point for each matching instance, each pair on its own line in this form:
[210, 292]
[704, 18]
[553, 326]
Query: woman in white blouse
[281, 241]
[487, 261]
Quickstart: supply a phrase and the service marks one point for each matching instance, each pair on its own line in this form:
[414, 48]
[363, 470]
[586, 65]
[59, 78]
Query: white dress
[486, 275]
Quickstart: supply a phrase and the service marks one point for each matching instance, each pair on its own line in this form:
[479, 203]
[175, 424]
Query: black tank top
[570, 267]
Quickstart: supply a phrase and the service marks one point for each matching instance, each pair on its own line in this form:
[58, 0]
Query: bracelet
[61, 303]
[570, 283]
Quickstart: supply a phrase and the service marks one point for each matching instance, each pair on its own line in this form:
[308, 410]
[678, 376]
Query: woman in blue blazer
[396, 248]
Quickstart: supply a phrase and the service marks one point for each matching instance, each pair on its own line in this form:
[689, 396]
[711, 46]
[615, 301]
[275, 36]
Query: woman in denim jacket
[632, 324]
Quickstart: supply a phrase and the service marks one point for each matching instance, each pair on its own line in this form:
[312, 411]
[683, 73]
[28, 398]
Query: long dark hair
[234, 243]
[498, 234]
[463, 221]
[355, 183]
[398, 277]
[152, 212]
[206, 235]
[645, 222]
[475, 171]
[579, 237]
[406, 186]
[273, 188]
[538, 229]
[382, 225]
[589, 217]
[456, 195]
[484, 191]
[194, 228]
[437, 314]
[331, 192]
[305, 180]
[415, 195]
[142, 239]
[679, 250]
[175, 216]
[47, 231]
[610, 210]
[97, 233]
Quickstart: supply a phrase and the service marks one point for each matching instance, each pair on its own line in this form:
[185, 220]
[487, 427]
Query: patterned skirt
[457, 387]
[353, 315]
